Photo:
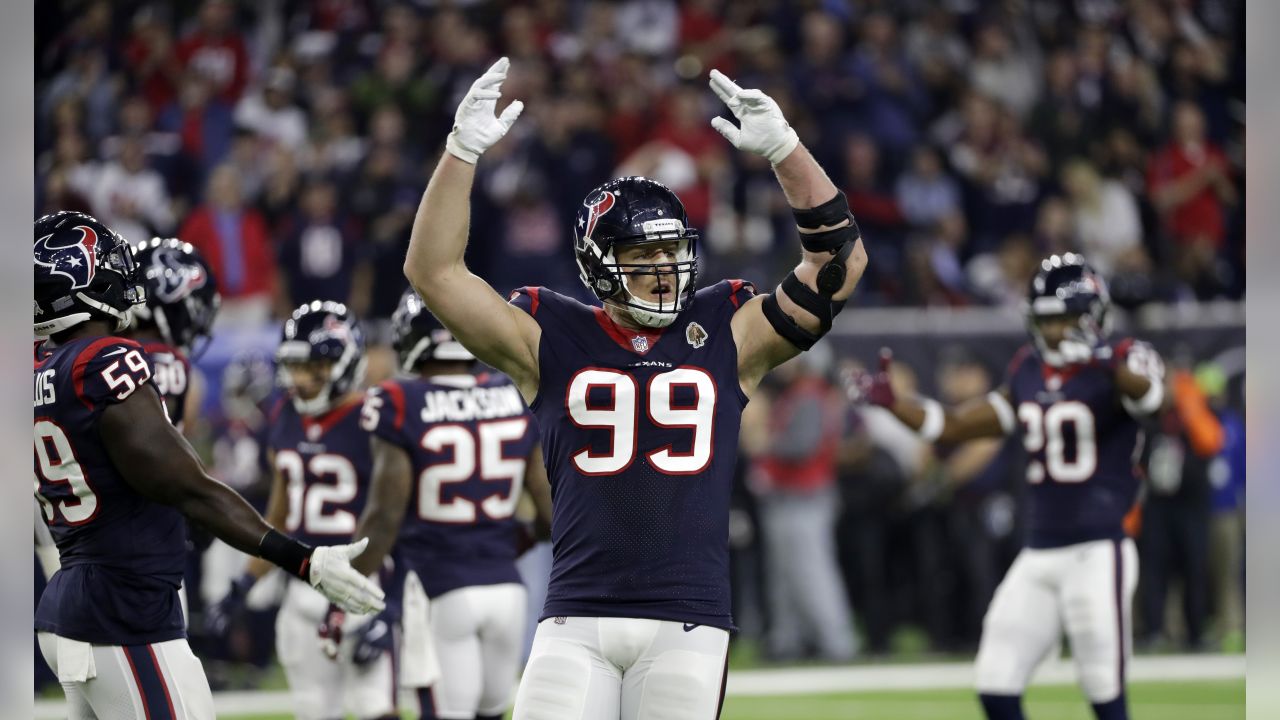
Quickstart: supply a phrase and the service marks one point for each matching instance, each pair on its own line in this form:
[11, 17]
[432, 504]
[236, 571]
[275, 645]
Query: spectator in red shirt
[151, 58]
[233, 239]
[217, 51]
[1190, 184]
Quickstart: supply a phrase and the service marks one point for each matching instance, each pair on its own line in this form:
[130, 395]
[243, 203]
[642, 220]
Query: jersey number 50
[1044, 429]
[621, 418]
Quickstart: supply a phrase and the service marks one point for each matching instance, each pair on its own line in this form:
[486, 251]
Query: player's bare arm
[277, 511]
[497, 333]
[985, 417]
[539, 489]
[772, 329]
[160, 464]
[389, 492]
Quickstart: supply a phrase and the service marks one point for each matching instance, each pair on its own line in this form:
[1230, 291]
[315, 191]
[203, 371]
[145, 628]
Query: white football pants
[1085, 590]
[589, 668]
[478, 634]
[321, 687]
[113, 682]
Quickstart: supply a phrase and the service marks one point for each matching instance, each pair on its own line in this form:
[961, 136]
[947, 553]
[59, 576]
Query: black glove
[373, 638]
[218, 616]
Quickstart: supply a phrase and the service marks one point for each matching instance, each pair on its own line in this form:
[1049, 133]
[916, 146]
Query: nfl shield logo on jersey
[695, 335]
[640, 343]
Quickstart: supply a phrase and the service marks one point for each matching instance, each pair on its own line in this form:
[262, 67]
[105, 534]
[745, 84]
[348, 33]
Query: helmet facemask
[611, 280]
[1080, 340]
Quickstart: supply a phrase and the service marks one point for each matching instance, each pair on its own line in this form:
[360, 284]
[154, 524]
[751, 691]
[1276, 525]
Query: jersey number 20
[1044, 429]
[621, 418]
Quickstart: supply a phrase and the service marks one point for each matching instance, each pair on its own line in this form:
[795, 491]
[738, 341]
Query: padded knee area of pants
[1005, 659]
[680, 685]
[555, 684]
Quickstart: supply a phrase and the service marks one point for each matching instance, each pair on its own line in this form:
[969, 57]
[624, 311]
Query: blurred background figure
[794, 478]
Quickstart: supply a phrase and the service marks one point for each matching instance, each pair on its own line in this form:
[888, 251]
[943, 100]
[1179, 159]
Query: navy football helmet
[84, 270]
[182, 296]
[418, 336]
[321, 332]
[634, 211]
[1066, 286]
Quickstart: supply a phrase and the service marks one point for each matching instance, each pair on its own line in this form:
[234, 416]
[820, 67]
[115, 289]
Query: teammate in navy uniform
[638, 405]
[322, 464]
[454, 447]
[1078, 400]
[175, 321]
[114, 479]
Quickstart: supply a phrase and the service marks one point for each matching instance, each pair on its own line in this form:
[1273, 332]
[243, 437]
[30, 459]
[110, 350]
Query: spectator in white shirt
[131, 197]
[271, 114]
[1108, 228]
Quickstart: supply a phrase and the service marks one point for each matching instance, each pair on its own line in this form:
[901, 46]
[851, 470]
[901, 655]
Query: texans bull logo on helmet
[77, 261]
[597, 208]
[177, 279]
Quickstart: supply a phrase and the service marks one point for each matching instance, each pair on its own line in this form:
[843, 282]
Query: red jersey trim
[327, 420]
[621, 336]
[396, 395]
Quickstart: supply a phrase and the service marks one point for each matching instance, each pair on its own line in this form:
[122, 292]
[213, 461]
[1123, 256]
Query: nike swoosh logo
[690, 626]
[117, 351]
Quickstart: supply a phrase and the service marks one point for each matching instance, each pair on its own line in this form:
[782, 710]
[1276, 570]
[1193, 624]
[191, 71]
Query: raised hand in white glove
[475, 126]
[764, 130]
[331, 573]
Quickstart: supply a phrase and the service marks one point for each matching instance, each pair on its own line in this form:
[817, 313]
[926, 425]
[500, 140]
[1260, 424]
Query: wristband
[934, 420]
[294, 557]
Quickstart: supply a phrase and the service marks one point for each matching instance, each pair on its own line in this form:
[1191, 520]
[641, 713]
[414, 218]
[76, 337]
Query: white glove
[331, 573]
[475, 128]
[764, 130]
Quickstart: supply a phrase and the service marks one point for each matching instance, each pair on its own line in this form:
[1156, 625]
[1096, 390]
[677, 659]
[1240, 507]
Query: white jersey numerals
[171, 377]
[1045, 429]
[127, 379]
[621, 417]
[56, 463]
[316, 507]
[471, 452]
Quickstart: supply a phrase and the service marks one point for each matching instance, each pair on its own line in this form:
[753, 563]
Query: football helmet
[1066, 286]
[182, 296]
[418, 336]
[634, 211]
[84, 270]
[321, 331]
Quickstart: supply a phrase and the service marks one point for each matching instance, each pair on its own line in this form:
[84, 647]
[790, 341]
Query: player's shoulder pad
[735, 292]
[1020, 358]
[110, 369]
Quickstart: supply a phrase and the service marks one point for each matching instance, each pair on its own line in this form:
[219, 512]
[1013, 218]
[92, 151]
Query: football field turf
[1184, 700]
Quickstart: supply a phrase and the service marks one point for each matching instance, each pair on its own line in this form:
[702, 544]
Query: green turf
[1198, 700]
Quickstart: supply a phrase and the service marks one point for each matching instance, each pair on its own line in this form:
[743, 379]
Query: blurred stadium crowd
[290, 142]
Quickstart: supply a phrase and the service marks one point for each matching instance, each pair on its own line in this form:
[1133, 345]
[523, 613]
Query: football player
[114, 479]
[174, 322]
[638, 405]
[1078, 400]
[322, 464]
[455, 446]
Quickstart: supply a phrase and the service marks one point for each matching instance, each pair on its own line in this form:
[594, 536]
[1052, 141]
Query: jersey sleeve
[109, 370]
[740, 291]
[527, 299]
[383, 413]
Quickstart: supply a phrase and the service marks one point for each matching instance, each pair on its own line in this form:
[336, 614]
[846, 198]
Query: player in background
[174, 322]
[638, 405]
[114, 479]
[1078, 400]
[322, 464]
[453, 447]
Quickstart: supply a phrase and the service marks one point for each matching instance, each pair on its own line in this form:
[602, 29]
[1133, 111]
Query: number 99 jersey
[468, 438]
[122, 554]
[640, 434]
[1083, 442]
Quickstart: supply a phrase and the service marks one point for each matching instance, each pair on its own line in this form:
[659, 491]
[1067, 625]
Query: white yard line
[803, 681]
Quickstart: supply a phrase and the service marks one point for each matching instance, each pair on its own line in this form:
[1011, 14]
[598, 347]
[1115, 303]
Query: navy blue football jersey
[122, 554]
[468, 438]
[326, 464]
[172, 372]
[1083, 445]
[640, 435]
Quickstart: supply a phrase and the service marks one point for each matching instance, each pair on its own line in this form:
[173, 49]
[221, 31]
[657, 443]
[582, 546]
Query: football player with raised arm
[322, 464]
[453, 446]
[638, 405]
[114, 479]
[1078, 400]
